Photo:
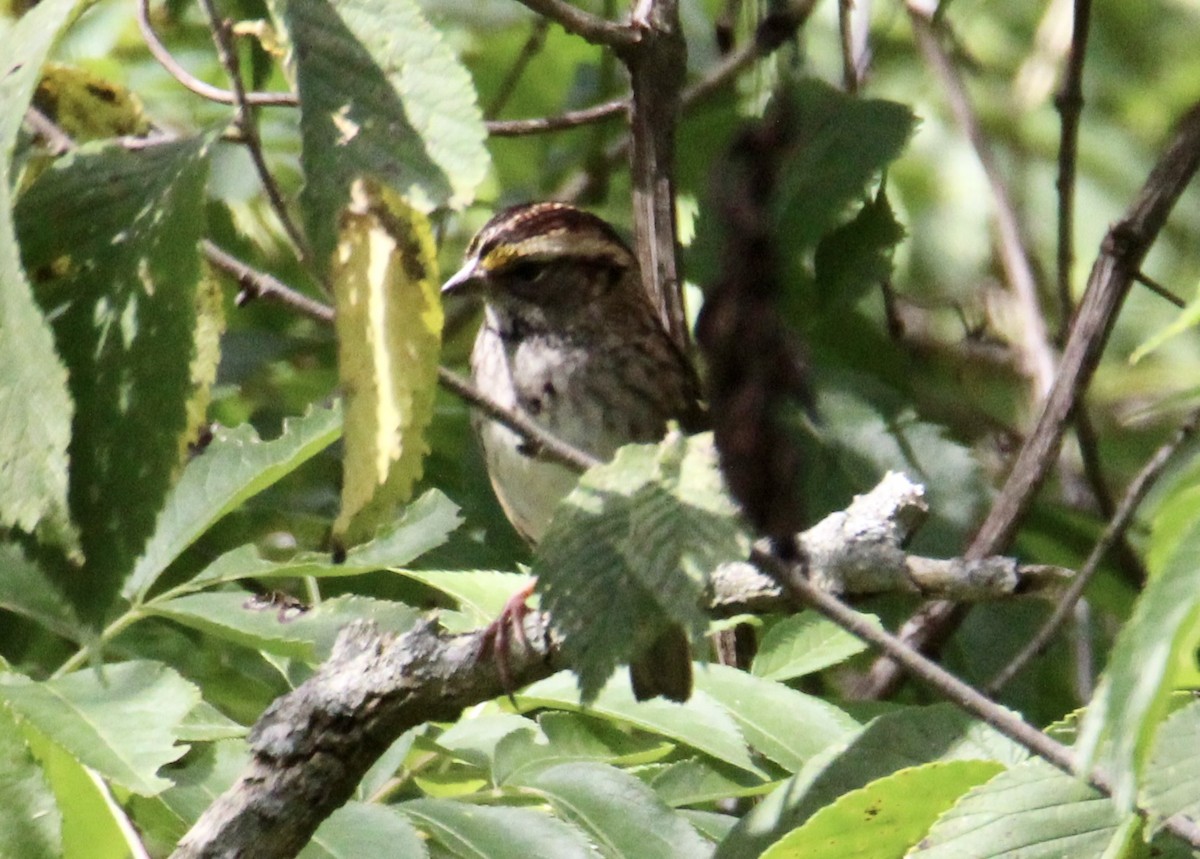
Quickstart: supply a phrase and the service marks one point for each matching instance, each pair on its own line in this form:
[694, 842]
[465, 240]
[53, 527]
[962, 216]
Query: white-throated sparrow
[570, 337]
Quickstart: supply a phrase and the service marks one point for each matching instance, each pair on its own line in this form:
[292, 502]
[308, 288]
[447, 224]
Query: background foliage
[135, 655]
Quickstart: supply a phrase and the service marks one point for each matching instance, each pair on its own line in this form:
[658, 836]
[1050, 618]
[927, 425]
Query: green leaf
[856, 256]
[894, 741]
[360, 829]
[35, 409]
[389, 330]
[629, 551]
[1131, 699]
[1188, 318]
[569, 737]
[1172, 784]
[701, 780]
[205, 724]
[863, 441]
[206, 773]
[768, 714]
[88, 106]
[474, 740]
[1033, 809]
[424, 525]
[701, 723]
[109, 236]
[25, 589]
[621, 815]
[842, 143]
[803, 644]
[711, 824]
[480, 594]
[235, 466]
[885, 818]
[308, 636]
[496, 833]
[91, 820]
[121, 723]
[381, 96]
[30, 822]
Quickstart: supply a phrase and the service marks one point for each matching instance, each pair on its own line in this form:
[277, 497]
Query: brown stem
[532, 47]
[1038, 359]
[657, 65]
[584, 24]
[1118, 263]
[1069, 101]
[570, 119]
[245, 122]
[205, 90]
[1008, 723]
[1117, 526]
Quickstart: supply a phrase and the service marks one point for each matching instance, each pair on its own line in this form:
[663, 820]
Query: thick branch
[657, 67]
[313, 746]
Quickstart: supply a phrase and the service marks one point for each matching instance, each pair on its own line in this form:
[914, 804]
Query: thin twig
[245, 122]
[1069, 101]
[1158, 289]
[774, 31]
[532, 47]
[1008, 723]
[570, 119]
[1117, 526]
[205, 90]
[543, 443]
[846, 34]
[586, 25]
[1127, 559]
[1038, 357]
[257, 284]
[57, 140]
[1118, 262]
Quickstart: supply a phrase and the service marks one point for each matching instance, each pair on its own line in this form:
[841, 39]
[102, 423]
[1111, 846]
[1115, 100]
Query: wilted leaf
[389, 328]
[87, 106]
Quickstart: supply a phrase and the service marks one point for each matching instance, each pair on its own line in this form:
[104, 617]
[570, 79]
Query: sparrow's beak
[465, 281]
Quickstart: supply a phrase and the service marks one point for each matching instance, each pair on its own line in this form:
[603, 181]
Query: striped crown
[546, 231]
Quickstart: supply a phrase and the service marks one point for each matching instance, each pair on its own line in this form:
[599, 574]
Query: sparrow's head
[546, 261]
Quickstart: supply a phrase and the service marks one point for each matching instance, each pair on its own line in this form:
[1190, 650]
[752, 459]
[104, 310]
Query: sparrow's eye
[526, 273]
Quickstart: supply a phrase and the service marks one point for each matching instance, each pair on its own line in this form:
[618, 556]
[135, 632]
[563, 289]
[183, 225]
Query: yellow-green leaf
[87, 106]
[389, 328]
